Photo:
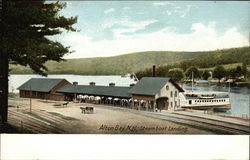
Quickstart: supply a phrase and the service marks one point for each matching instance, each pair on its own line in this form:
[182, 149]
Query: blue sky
[109, 28]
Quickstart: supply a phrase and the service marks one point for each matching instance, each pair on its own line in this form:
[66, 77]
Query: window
[190, 101]
[171, 104]
[175, 103]
[167, 87]
[175, 93]
[171, 94]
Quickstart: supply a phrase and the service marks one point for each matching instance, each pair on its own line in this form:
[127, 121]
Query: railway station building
[150, 93]
[43, 88]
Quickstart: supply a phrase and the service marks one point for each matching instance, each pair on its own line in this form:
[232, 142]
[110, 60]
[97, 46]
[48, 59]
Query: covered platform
[97, 94]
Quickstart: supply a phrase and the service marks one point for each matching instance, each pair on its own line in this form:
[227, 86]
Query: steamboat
[205, 100]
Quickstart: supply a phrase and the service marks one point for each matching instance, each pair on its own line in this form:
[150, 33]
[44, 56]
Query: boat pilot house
[150, 93]
[43, 88]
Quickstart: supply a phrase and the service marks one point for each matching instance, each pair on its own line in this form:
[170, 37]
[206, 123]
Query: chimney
[75, 83]
[111, 84]
[153, 71]
[92, 83]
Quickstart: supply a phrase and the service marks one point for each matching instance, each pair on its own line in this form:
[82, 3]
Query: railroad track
[222, 125]
[202, 122]
[36, 125]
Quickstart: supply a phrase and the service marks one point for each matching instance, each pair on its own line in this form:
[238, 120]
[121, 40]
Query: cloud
[183, 11]
[168, 12]
[109, 11]
[126, 8]
[162, 3]
[132, 27]
[126, 26]
[201, 38]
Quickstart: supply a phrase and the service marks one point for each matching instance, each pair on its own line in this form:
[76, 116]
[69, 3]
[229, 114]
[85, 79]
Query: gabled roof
[149, 85]
[40, 84]
[112, 91]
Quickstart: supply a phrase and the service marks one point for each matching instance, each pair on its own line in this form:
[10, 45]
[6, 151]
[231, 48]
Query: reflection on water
[239, 96]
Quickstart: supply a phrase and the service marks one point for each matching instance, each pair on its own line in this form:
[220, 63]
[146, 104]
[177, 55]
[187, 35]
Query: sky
[110, 28]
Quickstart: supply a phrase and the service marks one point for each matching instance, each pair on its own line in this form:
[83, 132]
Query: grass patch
[13, 95]
[226, 66]
[39, 117]
[62, 116]
[8, 128]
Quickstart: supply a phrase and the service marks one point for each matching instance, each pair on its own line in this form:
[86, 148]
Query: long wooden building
[148, 94]
[43, 88]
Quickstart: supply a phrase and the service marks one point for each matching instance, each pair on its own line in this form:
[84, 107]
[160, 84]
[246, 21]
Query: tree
[205, 75]
[26, 38]
[232, 73]
[184, 65]
[176, 74]
[244, 68]
[196, 72]
[236, 72]
[219, 72]
[239, 71]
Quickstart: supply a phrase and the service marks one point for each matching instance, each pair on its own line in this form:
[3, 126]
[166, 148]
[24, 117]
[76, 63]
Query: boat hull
[218, 108]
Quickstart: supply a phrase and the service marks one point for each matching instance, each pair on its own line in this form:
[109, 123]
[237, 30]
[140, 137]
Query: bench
[87, 109]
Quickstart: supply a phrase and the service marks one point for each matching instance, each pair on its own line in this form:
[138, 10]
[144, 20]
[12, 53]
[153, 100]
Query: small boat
[202, 82]
[205, 100]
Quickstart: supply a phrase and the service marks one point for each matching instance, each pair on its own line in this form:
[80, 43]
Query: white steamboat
[209, 100]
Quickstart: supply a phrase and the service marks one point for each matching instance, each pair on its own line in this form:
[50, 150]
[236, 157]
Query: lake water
[239, 96]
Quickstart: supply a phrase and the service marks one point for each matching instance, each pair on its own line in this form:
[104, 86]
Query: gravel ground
[107, 120]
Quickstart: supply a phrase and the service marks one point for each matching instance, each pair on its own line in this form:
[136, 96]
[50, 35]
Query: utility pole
[192, 81]
[30, 99]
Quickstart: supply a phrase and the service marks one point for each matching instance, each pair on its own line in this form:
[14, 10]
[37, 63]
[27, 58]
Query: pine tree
[27, 27]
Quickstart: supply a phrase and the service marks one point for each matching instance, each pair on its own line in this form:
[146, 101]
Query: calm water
[239, 96]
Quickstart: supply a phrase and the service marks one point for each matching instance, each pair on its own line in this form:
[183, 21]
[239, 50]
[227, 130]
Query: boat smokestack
[153, 71]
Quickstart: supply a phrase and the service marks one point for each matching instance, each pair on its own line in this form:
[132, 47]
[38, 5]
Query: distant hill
[219, 57]
[132, 62]
[122, 64]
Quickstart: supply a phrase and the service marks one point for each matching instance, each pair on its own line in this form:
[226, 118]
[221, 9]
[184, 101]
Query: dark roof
[149, 85]
[40, 84]
[176, 86]
[112, 91]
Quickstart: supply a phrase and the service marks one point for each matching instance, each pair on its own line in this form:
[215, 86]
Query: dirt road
[106, 119]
